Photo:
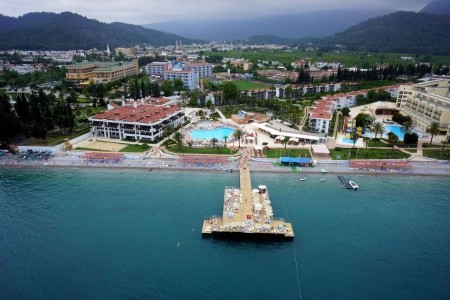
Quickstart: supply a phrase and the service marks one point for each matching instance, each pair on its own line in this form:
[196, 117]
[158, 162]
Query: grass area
[207, 150]
[276, 153]
[379, 143]
[135, 148]
[411, 150]
[249, 85]
[357, 59]
[54, 139]
[89, 110]
[436, 153]
[367, 154]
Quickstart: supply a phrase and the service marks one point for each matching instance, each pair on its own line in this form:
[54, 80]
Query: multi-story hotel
[189, 73]
[426, 102]
[101, 72]
[140, 123]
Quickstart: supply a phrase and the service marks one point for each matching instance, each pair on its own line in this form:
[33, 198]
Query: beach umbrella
[258, 206]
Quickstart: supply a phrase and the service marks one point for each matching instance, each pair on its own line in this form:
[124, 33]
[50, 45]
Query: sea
[132, 234]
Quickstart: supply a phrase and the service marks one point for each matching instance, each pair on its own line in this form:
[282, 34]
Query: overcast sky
[152, 11]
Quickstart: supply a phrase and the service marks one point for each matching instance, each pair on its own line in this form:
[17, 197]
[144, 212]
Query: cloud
[145, 12]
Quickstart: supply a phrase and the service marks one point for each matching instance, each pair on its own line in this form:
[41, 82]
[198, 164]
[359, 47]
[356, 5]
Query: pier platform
[247, 213]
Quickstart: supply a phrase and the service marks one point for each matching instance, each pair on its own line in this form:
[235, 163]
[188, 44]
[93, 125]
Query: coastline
[434, 168]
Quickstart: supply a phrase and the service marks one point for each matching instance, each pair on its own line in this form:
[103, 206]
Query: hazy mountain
[440, 7]
[397, 32]
[64, 31]
[316, 24]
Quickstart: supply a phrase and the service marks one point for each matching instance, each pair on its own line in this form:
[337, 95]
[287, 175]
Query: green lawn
[436, 153]
[90, 149]
[367, 154]
[276, 153]
[54, 139]
[249, 85]
[379, 143]
[207, 150]
[135, 148]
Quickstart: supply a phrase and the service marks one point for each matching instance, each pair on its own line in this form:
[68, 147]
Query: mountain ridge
[68, 31]
[439, 7]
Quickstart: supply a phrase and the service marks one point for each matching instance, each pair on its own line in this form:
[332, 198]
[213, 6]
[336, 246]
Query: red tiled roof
[142, 114]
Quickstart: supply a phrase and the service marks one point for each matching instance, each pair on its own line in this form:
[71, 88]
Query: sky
[154, 11]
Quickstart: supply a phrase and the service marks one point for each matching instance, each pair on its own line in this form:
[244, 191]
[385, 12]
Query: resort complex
[101, 72]
[426, 102]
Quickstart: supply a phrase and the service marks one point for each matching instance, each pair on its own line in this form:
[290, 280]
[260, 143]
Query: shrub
[338, 149]
[145, 146]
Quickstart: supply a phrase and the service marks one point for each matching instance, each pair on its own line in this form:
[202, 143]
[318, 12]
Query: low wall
[56, 148]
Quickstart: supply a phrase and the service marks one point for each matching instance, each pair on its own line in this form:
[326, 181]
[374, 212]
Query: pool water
[395, 129]
[347, 141]
[208, 134]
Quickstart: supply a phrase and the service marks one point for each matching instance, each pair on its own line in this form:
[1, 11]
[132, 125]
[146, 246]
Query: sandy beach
[422, 168]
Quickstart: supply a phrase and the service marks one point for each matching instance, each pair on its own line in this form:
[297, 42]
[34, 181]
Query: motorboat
[353, 184]
[323, 171]
[322, 179]
[303, 179]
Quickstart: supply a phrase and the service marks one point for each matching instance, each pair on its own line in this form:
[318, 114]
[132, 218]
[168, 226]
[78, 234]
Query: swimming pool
[207, 134]
[395, 129]
[347, 141]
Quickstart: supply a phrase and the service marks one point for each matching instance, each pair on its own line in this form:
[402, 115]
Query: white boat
[302, 179]
[323, 171]
[322, 179]
[353, 184]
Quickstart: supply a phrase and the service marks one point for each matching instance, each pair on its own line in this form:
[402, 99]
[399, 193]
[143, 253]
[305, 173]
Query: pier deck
[247, 211]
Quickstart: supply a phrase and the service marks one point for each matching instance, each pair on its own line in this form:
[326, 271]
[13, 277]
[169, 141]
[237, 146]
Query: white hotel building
[141, 123]
[426, 102]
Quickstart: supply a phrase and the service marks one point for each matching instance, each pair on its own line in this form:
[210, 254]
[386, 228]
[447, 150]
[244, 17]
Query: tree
[407, 126]
[285, 142]
[354, 136]
[361, 119]
[214, 142]
[230, 92]
[378, 128]
[168, 130]
[225, 139]
[190, 143]
[178, 138]
[168, 88]
[237, 135]
[178, 84]
[433, 129]
[345, 112]
[392, 139]
[366, 141]
[9, 123]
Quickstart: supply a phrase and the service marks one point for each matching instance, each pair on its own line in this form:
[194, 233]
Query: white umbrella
[258, 206]
[266, 226]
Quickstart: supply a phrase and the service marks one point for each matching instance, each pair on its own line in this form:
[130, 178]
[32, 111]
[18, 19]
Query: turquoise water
[396, 129]
[207, 134]
[77, 233]
[347, 141]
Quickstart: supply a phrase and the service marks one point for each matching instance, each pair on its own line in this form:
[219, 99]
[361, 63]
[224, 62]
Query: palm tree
[407, 126]
[285, 142]
[178, 138]
[378, 128]
[225, 138]
[354, 137]
[392, 139]
[237, 135]
[214, 142]
[433, 129]
[190, 143]
[366, 140]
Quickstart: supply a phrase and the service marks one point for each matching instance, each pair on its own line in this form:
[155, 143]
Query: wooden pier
[247, 213]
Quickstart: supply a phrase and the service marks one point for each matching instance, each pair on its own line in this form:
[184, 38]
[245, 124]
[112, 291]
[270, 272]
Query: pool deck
[247, 213]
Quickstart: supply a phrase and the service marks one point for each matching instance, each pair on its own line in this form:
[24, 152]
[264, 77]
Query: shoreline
[419, 168]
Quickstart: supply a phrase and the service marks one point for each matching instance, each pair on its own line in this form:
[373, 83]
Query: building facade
[157, 68]
[101, 72]
[140, 123]
[426, 102]
[201, 69]
[189, 78]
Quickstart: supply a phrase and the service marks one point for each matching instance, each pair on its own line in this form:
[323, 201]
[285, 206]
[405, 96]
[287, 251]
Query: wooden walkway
[247, 211]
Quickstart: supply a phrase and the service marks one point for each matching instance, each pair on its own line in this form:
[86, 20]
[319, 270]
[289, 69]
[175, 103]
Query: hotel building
[101, 72]
[139, 122]
[426, 102]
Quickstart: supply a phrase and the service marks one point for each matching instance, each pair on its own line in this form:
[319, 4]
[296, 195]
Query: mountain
[440, 7]
[318, 24]
[402, 32]
[65, 31]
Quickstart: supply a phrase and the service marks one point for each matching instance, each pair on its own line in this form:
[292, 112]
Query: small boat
[353, 184]
[302, 179]
[322, 179]
[323, 171]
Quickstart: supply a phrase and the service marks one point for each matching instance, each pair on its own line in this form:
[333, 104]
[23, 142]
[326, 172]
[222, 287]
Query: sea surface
[128, 234]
